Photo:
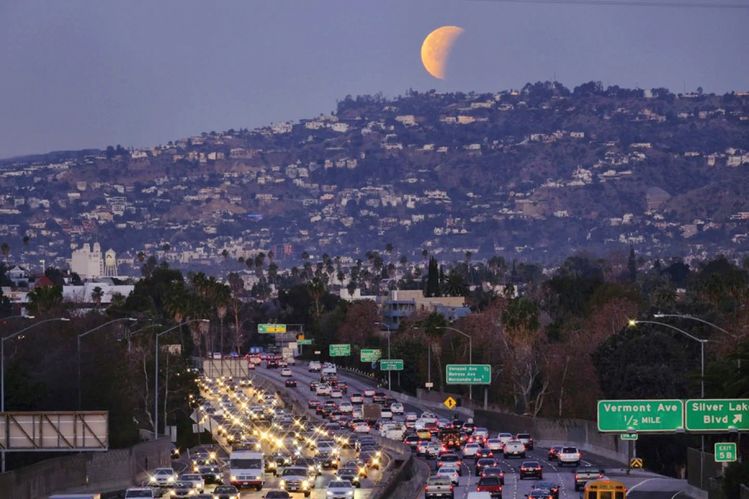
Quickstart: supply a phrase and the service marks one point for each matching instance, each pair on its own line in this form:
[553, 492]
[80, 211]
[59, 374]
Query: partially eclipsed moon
[436, 49]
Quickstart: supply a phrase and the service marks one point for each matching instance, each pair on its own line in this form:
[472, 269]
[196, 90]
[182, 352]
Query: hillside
[533, 174]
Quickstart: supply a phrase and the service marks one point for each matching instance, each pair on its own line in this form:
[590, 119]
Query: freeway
[642, 485]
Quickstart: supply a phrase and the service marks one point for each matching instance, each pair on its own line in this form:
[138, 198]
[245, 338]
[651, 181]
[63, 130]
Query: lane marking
[679, 492]
[640, 483]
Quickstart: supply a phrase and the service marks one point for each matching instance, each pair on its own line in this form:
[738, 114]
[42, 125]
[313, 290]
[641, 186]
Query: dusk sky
[79, 74]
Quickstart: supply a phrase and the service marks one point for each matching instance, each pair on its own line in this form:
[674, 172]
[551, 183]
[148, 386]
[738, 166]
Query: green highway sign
[628, 416]
[271, 328]
[628, 436]
[370, 354]
[725, 452]
[339, 350]
[391, 364]
[469, 374]
[306, 341]
[717, 415]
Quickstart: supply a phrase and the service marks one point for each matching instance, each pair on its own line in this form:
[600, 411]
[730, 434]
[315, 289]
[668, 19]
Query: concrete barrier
[88, 472]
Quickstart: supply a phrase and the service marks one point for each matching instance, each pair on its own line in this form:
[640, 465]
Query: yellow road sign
[450, 403]
[636, 462]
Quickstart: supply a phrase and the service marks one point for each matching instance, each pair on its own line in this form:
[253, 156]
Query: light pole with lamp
[2, 365]
[470, 352]
[633, 323]
[130, 334]
[78, 348]
[156, 372]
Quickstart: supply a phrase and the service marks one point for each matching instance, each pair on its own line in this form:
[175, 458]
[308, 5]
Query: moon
[436, 48]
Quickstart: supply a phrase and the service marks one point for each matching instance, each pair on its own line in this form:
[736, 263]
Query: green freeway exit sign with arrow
[624, 416]
[718, 415]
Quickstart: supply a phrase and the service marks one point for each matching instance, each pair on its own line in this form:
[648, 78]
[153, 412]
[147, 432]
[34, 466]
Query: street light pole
[701, 341]
[470, 353]
[389, 331]
[2, 367]
[78, 348]
[156, 373]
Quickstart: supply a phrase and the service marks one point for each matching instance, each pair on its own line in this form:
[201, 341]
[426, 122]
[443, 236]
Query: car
[553, 451]
[211, 473]
[504, 437]
[450, 471]
[438, 487]
[286, 372]
[514, 448]
[470, 450]
[485, 462]
[175, 453]
[336, 393]
[251, 366]
[361, 427]
[447, 459]
[379, 397]
[162, 477]
[139, 492]
[552, 488]
[314, 366]
[490, 484]
[277, 494]
[412, 441]
[386, 413]
[369, 392]
[313, 403]
[411, 417]
[494, 444]
[350, 474]
[484, 453]
[480, 435]
[313, 386]
[532, 469]
[296, 479]
[226, 492]
[585, 475]
[181, 489]
[196, 479]
[538, 494]
[526, 439]
[339, 489]
[357, 398]
[396, 408]
[494, 471]
[322, 390]
[569, 456]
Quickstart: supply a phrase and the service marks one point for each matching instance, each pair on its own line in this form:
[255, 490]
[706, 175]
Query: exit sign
[725, 452]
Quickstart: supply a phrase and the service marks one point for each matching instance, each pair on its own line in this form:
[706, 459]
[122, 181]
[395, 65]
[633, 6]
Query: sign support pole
[629, 456]
[486, 398]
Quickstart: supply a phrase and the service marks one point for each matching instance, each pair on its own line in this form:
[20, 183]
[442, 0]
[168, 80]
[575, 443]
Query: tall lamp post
[156, 372]
[701, 341]
[389, 331]
[78, 347]
[2, 365]
[470, 352]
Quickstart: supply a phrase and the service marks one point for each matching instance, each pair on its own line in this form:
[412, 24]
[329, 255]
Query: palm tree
[96, 295]
[45, 299]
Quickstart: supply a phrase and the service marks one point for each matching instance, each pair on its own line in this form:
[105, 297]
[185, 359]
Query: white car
[339, 489]
[480, 434]
[449, 471]
[336, 393]
[163, 477]
[469, 450]
[369, 392]
[322, 390]
[356, 398]
[411, 416]
[195, 479]
[286, 372]
[314, 366]
[569, 455]
[396, 408]
[494, 444]
[504, 437]
[386, 413]
[514, 448]
[346, 406]
[361, 427]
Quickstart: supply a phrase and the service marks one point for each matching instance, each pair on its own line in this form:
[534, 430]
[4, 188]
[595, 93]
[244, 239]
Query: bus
[604, 489]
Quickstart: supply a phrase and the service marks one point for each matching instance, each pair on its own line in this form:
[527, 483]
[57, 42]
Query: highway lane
[642, 485]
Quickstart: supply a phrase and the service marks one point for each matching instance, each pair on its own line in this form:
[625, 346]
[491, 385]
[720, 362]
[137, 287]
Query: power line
[630, 3]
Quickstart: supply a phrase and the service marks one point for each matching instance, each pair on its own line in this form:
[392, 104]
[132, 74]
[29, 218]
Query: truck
[438, 487]
[246, 469]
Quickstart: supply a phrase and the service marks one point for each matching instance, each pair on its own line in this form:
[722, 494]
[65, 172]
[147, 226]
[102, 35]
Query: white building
[91, 263]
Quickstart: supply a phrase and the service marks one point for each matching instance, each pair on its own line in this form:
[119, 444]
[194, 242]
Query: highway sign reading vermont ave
[469, 374]
[717, 414]
[623, 416]
[339, 350]
[271, 328]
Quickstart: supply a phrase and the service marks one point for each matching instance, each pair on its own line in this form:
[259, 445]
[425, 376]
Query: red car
[490, 484]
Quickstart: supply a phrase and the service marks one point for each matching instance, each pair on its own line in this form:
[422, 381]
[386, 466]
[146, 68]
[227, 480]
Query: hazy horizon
[87, 74]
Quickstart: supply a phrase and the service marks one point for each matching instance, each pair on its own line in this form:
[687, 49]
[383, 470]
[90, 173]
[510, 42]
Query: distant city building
[401, 304]
[91, 263]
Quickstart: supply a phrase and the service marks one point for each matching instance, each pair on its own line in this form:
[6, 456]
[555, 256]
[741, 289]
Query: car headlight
[282, 484]
[170, 479]
[305, 484]
[233, 478]
[350, 493]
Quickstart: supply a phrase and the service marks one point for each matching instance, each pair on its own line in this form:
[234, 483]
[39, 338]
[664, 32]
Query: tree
[5, 249]
[45, 300]
[433, 284]
[632, 265]
[96, 295]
